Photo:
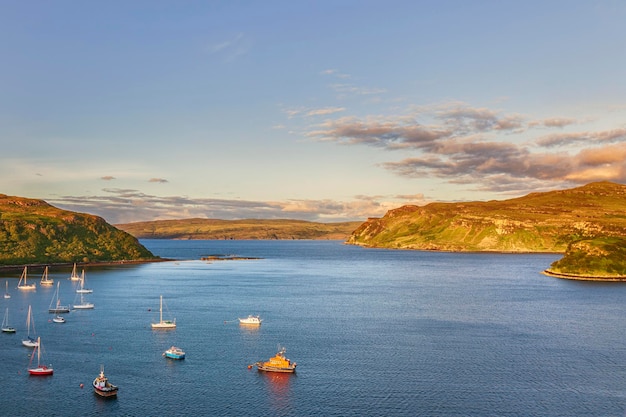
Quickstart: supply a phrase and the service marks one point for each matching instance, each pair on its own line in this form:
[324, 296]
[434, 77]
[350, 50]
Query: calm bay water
[374, 333]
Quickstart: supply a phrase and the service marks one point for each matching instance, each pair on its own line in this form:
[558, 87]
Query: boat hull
[58, 319]
[60, 309]
[251, 321]
[27, 287]
[41, 371]
[83, 307]
[174, 355]
[263, 368]
[8, 329]
[163, 325]
[106, 393]
[84, 291]
[30, 343]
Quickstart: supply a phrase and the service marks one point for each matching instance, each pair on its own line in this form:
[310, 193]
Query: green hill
[33, 231]
[538, 222]
[260, 229]
[600, 258]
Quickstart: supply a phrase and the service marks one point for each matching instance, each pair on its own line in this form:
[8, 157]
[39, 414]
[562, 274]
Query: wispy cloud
[325, 111]
[231, 48]
[107, 178]
[158, 180]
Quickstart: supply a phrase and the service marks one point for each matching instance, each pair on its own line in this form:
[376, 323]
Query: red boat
[40, 370]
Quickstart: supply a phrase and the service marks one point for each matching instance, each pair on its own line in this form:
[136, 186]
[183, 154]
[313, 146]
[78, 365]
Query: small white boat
[55, 303]
[30, 341]
[251, 321]
[74, 276]
[22, 285]
[83, 305]
[81, 288]
[5, 323]
[45, 280]
[163, 324]
[58, 319]
[174, 353]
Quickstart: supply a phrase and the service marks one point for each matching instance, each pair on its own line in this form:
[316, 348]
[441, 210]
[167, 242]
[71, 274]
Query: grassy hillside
[602, 257]
[32, 231]
[538, 222]
[238, 229]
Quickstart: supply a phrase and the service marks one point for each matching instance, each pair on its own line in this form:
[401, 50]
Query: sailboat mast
[161, 310]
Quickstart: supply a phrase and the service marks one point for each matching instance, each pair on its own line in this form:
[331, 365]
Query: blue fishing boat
[174, 353]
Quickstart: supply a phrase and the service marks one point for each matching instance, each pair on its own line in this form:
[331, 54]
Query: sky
[328, 110]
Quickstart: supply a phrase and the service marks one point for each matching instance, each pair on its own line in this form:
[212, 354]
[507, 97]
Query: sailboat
[45, 280]
[55, 303]
[81, 289]
[5, 323]
[6, 293]
[30, 342]
[74, 276]
[25, 286]
[163, 324]
[40, 369]
[83, 305]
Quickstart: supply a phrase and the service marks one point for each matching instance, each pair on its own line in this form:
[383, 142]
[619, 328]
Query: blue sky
[316, 110]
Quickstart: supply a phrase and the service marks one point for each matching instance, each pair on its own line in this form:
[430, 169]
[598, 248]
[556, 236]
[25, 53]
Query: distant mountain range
[261, 229]
[34, 232]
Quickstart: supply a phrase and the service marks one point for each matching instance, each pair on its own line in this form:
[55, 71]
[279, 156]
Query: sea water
[374, 333]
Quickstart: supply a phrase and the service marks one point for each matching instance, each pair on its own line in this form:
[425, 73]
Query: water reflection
[279, 388]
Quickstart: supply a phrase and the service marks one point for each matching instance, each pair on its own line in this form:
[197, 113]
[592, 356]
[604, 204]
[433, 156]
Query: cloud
[351, 89]
[464, 145]
[107, 178]
[325, 111]
[607, 136]
[118, 205]
[158, 180]
[558, 122]
[335, 73]
[230, 48]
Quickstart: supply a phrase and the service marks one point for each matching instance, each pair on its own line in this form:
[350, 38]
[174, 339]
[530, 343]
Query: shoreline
[576, 277]
[70, 264]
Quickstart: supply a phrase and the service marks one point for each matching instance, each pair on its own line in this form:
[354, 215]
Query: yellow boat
[278, 363]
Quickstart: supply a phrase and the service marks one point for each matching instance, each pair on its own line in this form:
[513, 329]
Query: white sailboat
[163, 324]
[74, 276]
[22, 285]
[45, 280]
[6, 293]
[5, 323]
[30, 341]
[81, 288]
[55, 303]
[83, 305]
